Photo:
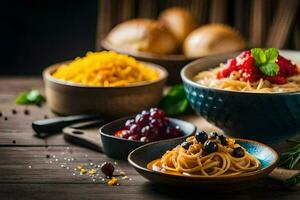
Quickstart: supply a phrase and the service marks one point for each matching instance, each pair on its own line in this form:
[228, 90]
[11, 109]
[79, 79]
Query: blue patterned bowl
[266, 117]
[140, 157]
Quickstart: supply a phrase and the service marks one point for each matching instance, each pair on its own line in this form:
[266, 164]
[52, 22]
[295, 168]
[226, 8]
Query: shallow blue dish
[140, 157]
[266, 117]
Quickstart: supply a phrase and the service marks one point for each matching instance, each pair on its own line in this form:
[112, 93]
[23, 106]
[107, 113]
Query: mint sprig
[265, 60]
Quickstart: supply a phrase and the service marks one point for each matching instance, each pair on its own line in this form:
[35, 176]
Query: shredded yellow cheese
[106, 68]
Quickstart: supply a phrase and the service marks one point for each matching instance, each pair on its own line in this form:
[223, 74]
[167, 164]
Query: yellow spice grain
[113, 181]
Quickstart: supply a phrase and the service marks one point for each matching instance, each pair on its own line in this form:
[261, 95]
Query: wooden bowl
[68, 98]
[140, 157]
[173, 63]
[117, 147]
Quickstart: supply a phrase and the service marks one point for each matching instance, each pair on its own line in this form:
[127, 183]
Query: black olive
[201, 136]
[185, 145]
[238, 152]
[223, 140]
[107, 169]
[210, 146]
[213, 135]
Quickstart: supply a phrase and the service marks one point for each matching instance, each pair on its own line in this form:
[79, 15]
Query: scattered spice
[122, 173]
[46, 117]
[13, 111]
[95, 171]
[14, 141]
[5, 118]
[82, 171]
[26, 112]
[113, 181]
[91, 172]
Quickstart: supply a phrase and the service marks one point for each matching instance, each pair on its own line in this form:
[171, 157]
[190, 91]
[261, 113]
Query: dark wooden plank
[31, 165]
[144, 191]
[17, 126]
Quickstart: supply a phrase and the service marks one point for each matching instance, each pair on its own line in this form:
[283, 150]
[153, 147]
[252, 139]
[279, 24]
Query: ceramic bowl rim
[139, 142]
[272, 165]
[193, 83]
[47, 75]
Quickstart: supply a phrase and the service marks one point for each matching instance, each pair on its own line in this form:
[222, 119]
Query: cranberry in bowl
[121, 136]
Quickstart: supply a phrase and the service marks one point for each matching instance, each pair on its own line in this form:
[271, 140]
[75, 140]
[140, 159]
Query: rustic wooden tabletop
[34, 168]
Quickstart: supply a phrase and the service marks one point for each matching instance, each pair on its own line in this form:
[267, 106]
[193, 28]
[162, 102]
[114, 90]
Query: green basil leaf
[30, 97]
[269, 69]
[33, 95]
[271, 55]
[259, 56]
[175, 102]
[22, 98]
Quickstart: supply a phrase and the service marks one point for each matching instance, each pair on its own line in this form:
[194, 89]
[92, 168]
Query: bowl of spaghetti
[106, 83]
[254, 94]
[205, 162]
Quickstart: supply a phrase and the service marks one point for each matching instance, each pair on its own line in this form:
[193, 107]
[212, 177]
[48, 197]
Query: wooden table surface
[34, 168]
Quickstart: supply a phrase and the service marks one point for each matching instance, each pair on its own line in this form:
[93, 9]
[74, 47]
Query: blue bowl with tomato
[266, 117]
[122, 136]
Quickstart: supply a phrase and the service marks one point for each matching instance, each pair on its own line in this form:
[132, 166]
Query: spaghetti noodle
[244, 74]
[209, 79]
[227, 160]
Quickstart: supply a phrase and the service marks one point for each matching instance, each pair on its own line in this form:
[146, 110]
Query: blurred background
[35, 34]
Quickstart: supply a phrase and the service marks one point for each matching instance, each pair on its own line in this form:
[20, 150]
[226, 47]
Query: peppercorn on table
[51, 168]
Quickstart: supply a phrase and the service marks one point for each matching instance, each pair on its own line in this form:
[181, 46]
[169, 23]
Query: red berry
[135, 129]
[145, 131]
[107, 169]
[144, 139]
[128, 123]
[143, 119]
[157, 114]
[134, 137]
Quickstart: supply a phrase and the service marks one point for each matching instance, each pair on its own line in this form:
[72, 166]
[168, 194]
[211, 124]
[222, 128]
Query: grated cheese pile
[106, 68]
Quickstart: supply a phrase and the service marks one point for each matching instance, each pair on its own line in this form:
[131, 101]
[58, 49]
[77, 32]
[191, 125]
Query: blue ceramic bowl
[267, 117]
[140, 157]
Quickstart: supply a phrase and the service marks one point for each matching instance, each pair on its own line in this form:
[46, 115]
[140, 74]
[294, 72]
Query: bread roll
[143, 35]
[179, 21]
[212, 39]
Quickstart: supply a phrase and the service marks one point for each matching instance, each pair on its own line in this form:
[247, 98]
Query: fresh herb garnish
[294, 180]
[265, 60]
[290, 158]
[30, 97]
[175, 102]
